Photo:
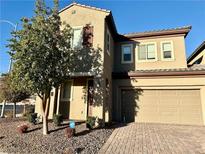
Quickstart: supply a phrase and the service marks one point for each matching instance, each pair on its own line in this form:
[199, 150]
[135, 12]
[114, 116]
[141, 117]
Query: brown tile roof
[196, 52]
[189, 69]
[198, 66]
[180, 30]
[161, 72]
[85, 6]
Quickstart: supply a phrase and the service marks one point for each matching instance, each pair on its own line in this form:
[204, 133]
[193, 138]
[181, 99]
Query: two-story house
[145, 77]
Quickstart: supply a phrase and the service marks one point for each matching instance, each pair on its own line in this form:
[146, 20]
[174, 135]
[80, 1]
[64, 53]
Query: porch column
[58, 100]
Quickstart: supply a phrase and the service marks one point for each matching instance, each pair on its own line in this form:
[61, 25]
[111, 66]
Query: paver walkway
[145, 138]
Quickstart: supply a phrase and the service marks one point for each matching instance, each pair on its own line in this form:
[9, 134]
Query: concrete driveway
[148, 138]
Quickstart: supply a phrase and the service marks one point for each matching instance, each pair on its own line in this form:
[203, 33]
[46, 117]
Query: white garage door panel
[164, 106]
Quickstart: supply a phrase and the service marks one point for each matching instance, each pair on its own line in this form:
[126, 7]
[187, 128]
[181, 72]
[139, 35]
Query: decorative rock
[34, 142]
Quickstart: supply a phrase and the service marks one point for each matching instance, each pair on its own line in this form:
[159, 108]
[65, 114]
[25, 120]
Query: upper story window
[147, 52]
[127, 53]
[77, 38]
[167, 50]
[108, 41]
[66, 93]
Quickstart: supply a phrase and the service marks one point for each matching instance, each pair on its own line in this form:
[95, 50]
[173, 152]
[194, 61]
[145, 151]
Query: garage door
[162, 106]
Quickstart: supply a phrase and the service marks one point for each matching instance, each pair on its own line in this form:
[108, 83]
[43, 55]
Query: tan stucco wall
[96, 19]
[179, 55]
[39, 109]
[77, 104]
[108, 67]
[85, 16]
[201, 54]
[196, 82]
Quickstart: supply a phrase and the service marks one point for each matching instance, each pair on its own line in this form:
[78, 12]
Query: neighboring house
[144, 77]
[198, 56]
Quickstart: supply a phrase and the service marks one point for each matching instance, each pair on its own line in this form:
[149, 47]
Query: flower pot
[69, 132]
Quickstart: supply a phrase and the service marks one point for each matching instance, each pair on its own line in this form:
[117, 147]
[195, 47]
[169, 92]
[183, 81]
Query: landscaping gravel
[33, 142]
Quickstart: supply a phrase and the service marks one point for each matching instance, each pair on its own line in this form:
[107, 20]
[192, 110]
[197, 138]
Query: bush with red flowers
[22, 129]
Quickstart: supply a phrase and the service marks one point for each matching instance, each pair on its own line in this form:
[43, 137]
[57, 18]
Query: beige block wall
[179, 60]
[202, 54]
[196, 82]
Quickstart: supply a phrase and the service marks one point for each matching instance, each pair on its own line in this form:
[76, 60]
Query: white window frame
[147, 60]
[108, 33]
[73, 28]
[122, 55]
[162, 52]
[71, 91]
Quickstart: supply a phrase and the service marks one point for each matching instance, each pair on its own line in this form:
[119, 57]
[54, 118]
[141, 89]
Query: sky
[129, 16]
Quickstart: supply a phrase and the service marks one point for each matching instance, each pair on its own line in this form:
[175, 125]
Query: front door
[90, 98]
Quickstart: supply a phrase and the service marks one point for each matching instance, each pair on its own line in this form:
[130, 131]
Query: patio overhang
[82, 74]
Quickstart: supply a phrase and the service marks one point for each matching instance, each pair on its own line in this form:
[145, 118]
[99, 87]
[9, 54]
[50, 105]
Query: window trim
[71, 91]
[122, 55]
[73, 28]
[108, 33]
[147, 60]
[162, 52]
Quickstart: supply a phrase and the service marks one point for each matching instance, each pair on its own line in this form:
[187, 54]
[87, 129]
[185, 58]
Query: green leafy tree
[41, 53]
[43, 57]
[10, 94]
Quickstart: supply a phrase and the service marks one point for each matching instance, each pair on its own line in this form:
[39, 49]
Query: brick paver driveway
[147, 138]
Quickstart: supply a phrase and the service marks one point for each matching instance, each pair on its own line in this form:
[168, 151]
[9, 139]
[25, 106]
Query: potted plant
[69, 132]
[57, 119]
[32, 118]
[90, 122]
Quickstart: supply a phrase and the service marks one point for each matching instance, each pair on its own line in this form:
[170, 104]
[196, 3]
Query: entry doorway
[90, 92]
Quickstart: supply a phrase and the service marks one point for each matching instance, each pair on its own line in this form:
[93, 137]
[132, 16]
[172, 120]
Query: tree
[43, 56]
[10, 94]
[41, 53]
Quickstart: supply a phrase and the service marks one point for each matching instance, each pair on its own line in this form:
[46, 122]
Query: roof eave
[160, 33]
[196, 52]
[85, 6]
[124, 75]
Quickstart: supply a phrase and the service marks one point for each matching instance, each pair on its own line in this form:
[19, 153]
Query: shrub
[99, 123]
[69, 132]
[8, 114]
[22, 129]
[90, 122]
[28, 110]
[32, 118]
[57, 119]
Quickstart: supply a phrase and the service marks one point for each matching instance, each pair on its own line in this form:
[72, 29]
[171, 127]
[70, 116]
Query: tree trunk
[45, 105]
[14, 110]
[3, 109]
[45, 124]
